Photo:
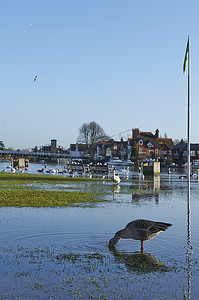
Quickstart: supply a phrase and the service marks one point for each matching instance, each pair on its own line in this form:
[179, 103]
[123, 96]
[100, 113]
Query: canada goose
[142, 230]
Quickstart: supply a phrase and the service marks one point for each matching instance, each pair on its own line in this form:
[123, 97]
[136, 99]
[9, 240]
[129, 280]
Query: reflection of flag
[185, 59]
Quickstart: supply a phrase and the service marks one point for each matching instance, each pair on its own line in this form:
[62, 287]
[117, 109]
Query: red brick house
[150, 145]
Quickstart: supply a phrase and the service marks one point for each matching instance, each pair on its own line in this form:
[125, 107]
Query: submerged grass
[19, 190]
[46, 274]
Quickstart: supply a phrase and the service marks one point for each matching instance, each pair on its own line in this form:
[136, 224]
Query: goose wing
[145, 229]
[140, 224]
[159, 227]
[147, 224]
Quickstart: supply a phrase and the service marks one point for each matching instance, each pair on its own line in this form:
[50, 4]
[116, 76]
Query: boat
[115, 161]
[127, 163]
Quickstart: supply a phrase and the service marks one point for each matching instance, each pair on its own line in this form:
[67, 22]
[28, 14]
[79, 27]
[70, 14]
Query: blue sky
[115, 62]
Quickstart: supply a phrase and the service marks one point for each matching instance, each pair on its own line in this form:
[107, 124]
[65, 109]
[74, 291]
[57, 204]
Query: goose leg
[142, 246]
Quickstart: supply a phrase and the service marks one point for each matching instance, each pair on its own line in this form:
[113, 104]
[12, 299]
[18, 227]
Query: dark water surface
[53, 253]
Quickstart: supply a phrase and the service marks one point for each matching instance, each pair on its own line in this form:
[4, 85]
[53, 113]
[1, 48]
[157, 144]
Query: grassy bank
[26, 190]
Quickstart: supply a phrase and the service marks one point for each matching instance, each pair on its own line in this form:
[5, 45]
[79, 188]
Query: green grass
[25, 190]
[14, 177]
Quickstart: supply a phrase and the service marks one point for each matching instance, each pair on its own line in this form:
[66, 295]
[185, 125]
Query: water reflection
[146, 196]
[189, 248]
[139, 262]
[149, 189]
[116, 190]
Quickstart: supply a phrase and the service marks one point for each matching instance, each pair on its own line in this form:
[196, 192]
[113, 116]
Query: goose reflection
[139, 262]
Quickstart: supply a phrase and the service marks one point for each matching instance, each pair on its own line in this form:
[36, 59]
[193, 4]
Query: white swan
[115, 177]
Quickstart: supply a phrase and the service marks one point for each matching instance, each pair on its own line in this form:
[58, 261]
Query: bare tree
[177, 141]
[97, 133]
[83, 134]
[91, 134]
[2, 146]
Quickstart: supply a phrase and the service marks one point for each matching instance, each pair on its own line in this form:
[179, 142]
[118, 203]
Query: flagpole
[188, 121]
[189, 247]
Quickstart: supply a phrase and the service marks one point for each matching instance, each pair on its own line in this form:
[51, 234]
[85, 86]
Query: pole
[189, 246]
[188, 121]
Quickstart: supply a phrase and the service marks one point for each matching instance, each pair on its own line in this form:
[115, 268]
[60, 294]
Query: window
[141, 150]
[192, 153]
[99, 151]
[150, 145]
[108, 152]
[140, 142]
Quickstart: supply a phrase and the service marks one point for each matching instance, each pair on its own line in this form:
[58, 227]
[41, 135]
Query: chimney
[135, 132]
[157, 134]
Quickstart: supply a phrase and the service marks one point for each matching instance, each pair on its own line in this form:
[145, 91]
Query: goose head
[114, 240]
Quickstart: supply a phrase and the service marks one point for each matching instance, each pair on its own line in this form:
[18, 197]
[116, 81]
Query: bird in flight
[35, 78]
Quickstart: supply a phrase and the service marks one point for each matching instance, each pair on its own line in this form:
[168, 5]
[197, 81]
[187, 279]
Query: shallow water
[63, 252]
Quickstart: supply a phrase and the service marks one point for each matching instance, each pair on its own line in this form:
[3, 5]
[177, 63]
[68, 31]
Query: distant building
[53, 148]
[149, 145]
[107, 149]
[78, 150]
[146, 142]
[179, 152]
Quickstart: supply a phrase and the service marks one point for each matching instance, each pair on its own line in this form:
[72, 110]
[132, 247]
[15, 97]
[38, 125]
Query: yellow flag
[186, 57]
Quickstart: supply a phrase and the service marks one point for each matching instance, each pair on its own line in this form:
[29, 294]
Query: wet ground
[53, 253]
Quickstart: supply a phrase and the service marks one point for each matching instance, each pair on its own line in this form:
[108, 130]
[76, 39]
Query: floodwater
[62, 253]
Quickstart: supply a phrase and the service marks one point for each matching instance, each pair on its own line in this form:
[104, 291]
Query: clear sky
[115, 62]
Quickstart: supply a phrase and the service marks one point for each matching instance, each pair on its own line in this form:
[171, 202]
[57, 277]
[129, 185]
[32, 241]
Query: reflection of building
[147, 190]
[151, 168]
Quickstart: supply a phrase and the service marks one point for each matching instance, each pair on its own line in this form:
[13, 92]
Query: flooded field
[62, 253]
